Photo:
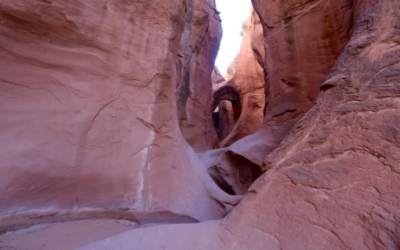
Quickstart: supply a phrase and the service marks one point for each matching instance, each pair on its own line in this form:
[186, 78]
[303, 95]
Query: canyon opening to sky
[233, 13]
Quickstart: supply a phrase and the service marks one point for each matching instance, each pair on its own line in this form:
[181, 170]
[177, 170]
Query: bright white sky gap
[233, 14]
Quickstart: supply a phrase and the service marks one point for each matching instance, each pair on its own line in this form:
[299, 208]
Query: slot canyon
[117, 130]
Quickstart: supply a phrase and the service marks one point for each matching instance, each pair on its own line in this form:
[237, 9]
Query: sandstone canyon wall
[248, 82]
[98, 102]
[195, 64]
[298, 54]
[302, 41]
[333, 183]
[216, 76]
[88, 110]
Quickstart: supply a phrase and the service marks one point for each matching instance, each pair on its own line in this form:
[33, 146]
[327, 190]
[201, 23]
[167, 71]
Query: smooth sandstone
[97, 134]
[88, 111]
[333, 182]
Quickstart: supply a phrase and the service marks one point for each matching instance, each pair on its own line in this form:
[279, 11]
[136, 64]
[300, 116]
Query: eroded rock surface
[216, 76]
[331, 175]
[88, 123]
[333, 182]
[195, 65]
[303, 40]
[298, 48]
[248, 82]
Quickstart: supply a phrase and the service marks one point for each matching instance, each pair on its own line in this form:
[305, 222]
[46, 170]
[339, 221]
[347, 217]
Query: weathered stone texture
[333, 182]
[248, 83]
[195, 64]
[88, 123]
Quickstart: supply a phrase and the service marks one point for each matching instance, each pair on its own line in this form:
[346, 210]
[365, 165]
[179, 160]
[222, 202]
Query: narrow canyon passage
[270, 86]
[118, 131]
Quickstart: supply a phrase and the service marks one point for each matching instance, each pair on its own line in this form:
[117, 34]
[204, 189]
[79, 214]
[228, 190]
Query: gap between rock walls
[272, 83]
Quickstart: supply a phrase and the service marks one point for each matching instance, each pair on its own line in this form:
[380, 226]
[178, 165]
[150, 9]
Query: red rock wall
[216, 76]
[303, 40]
[88, 114]
[248, 81]
[195, 63]
[69, 127]
[241, 102]
[298, 54]
[333, 182]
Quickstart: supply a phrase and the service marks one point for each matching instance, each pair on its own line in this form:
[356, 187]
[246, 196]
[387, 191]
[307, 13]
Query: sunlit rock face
[302, 41]
[247, 80]
[88, 111]
[195, 64]
[287, 41]
[240, 101]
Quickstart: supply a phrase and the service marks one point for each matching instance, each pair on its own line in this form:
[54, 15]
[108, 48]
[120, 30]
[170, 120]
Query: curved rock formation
[299, 53]
[227, 109]
[245, 88]
[292, 51]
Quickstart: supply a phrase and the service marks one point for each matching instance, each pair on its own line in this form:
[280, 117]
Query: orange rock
[299, 53]
[246, 86]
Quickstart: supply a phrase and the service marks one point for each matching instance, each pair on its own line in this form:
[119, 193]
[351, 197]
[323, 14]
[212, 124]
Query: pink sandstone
[90, 126]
